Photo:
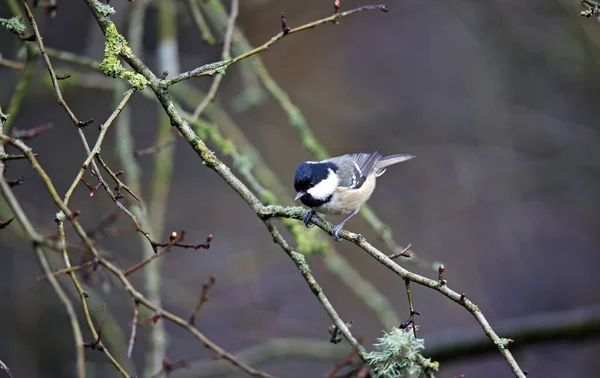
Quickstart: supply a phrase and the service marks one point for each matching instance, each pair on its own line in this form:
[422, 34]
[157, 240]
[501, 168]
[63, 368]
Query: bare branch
[203, 297]
[134, 322]
[214, 87]
[219, 67]
[207, 35]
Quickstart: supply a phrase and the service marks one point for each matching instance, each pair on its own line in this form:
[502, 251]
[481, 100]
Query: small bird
[340, 185]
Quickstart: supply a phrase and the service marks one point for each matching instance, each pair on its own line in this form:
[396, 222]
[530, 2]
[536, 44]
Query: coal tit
[340, 185]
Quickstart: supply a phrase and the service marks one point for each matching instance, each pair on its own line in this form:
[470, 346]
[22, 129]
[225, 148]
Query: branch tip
[4, 224]
[82, 124]
[285, 29]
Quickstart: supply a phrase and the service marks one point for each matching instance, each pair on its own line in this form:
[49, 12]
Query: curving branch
[214, 87]
[220, 67]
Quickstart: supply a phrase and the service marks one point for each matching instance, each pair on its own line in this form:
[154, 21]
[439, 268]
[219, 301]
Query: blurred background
[498, 99]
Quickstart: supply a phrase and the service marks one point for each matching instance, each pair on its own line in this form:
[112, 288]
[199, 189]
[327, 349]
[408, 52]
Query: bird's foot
[336, 230]
[307, 217]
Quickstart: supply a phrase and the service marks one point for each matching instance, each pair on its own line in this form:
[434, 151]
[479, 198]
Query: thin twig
[136, 311]
[86, 311]
[120, 183]
[225, 55]
[203, 297]
[97, 147]
[15, 65]
[12, 157]
[6, 223]
[67, 270]
[21, 88]
[51, 71]
[70, 57]
[31, 133]
[412, 312]
[213, 68]
[207, 35]
[176, 241]
[154, 149]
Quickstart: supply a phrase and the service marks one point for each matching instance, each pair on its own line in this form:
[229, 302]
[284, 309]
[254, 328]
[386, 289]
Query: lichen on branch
[397, 354]
[13, 24]
[111, 64]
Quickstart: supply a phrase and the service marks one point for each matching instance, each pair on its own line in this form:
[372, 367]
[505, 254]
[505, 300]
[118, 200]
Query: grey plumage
[353, 169]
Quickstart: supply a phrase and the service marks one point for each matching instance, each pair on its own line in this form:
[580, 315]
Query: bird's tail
[391, 160]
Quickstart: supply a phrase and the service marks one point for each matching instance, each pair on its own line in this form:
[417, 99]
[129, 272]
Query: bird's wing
[364, 164]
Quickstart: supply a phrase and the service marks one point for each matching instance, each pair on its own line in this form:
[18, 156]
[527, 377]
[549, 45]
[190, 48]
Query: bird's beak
[298, 195]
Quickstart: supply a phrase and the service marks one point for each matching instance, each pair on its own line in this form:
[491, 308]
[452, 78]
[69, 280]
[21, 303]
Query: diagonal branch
[97, 147]
[214, 87]
[220, 67]
[51, 71]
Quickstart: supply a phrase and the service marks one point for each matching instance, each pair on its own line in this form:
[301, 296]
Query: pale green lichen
[111, 64]
[303, 266]
[221, 70]
[60, 216]
[13, 24]
[397, 354]
[503, 343]
[434, 284]
[104, 9]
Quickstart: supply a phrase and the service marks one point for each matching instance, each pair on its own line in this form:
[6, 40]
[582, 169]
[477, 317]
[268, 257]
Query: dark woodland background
[499, 101]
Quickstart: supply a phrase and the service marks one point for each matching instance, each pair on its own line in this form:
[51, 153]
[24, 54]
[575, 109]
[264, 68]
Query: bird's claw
[335, 232]
[307, 217]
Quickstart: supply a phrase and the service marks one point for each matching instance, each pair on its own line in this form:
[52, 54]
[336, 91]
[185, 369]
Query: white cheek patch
[325, 188]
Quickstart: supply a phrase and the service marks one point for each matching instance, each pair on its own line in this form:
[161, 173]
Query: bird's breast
[345, 200]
